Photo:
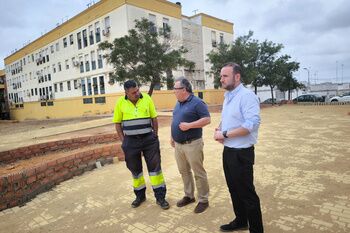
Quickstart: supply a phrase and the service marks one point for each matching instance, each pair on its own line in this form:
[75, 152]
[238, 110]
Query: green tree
[289, 83]
[145, 54]
[244, 51]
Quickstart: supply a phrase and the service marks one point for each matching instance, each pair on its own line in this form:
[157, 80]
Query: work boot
[137, 202]
[163, 204]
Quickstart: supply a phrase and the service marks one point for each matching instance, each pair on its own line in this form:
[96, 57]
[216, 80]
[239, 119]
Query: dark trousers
[148, 146]
[238, 168]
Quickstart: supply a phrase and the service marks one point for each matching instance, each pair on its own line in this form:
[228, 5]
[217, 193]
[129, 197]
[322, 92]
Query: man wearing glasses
[190, 115]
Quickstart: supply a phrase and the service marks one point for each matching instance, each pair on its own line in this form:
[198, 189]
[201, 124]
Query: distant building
[66, 62]
[324, 89]
[4, 107]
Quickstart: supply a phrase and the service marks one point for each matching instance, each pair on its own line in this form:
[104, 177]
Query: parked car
[345, 97]
[269, 101]
[309, 98]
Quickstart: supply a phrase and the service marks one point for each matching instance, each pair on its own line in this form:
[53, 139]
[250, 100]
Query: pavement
[301, 175]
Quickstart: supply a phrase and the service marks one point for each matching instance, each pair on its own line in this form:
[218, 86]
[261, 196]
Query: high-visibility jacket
[135, 119]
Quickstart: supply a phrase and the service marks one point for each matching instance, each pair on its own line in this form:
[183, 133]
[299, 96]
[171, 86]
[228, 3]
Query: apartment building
[66, 62]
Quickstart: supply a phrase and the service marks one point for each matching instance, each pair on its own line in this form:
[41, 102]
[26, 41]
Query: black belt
[139, 135]
[239, 149]
[189, 141]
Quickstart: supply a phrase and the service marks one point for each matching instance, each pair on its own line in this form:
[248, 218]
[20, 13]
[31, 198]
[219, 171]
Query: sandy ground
[301, 174]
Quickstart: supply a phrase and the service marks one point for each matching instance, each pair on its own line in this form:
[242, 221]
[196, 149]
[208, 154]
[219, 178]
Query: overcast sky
[314, 33]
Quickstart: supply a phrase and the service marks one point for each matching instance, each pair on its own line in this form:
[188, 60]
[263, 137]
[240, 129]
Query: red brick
[58, 168]
[41, 168]
[49, 171]
[31, 179]
[12, 178]
[68, 164]
[52, 163]
[29, 172]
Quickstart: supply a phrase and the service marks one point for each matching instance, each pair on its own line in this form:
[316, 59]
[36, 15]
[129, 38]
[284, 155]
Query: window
[94, 85]
[83, 87]
[65, 42]
[213, 38]
[67, 64]
[36, 91]
[85, 41]
[79, 40]
[107, 26]
[81, 64]
[166, 28]
[102, 85]
[107, 22]
[75, 84]
[97, 32]
[221, 38]
[49, 77]
[91, 35]
[55, 87]
[47, 58]
[59, 67]
[93, 60]
[54, 68]
[68, 86]
[52, 49]
[61, 87]
[89, 88]
[87, 63]
[99, 59]
[153, 19]
[71, 39]
[57, 47]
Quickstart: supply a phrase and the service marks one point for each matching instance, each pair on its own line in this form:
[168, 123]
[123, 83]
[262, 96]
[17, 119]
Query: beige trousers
[189, 157]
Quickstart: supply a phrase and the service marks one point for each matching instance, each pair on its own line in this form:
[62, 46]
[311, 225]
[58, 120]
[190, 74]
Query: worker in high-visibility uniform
[135, 119]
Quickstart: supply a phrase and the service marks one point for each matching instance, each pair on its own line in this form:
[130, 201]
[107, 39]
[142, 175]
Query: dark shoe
[185, 201]
[201, 206]
[163, 204]
[233, 226]
[137, 202]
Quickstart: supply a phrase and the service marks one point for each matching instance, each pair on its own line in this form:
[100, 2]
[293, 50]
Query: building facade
[67, 63]
[4, 107]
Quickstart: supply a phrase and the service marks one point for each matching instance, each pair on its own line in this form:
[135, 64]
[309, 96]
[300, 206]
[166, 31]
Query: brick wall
[18, 188]
[47, 147]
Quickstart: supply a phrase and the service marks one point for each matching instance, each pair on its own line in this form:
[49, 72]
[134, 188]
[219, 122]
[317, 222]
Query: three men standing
[190, 115]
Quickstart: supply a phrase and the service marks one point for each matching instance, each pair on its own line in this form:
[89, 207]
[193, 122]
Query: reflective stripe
[137, 126]
[158, 186]
[137, 122]
[139, 182]
[157, 179]
[141, 187]
[137, 131]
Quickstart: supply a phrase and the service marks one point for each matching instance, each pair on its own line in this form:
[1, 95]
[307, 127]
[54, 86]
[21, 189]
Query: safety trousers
[148, 146]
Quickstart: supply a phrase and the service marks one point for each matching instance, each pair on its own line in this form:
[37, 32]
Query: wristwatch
[224, 133]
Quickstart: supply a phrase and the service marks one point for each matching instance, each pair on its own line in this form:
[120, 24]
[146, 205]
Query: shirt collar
[189, 98]
[141, 96]
[233, 92]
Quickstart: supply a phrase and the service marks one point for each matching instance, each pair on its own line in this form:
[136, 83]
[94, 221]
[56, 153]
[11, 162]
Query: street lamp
[308, 76]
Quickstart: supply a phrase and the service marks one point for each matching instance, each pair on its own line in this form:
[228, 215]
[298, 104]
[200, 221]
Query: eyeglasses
[178, 88]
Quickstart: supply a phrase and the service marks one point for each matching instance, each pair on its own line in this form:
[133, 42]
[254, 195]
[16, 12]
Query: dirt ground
[301, 175]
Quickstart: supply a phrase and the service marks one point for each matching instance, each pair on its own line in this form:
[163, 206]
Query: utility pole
[308, 76]
[342, 74]
[336, 71]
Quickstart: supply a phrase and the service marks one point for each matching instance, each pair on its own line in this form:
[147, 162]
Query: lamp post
[308, 76]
